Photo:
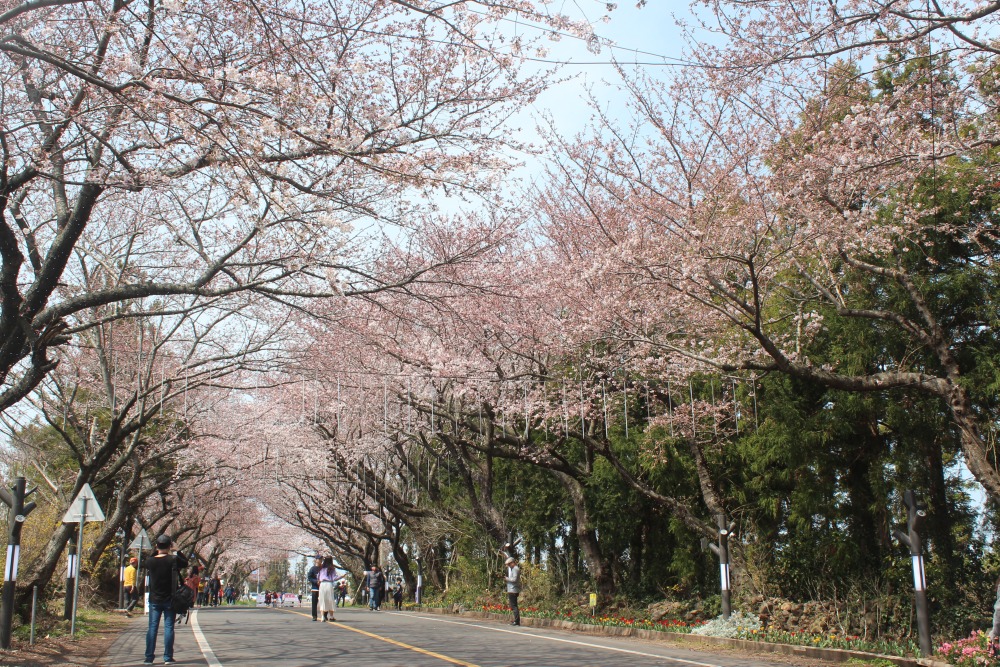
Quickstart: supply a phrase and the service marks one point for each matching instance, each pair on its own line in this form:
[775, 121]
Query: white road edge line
[199, 637]
[565, 641]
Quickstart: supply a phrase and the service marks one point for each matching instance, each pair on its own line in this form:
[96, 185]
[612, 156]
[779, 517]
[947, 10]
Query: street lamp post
[916, 514]
[123, 536]
[420, 580]
[722, 551]
[70, 573]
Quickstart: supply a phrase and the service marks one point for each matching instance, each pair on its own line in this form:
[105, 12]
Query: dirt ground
[79, 652]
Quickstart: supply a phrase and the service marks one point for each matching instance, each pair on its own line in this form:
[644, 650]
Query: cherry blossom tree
[486, 364]
[745, 206]
[130, 396]
[210, 148]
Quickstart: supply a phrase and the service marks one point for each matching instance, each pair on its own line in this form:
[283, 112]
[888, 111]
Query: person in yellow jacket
[131, 590]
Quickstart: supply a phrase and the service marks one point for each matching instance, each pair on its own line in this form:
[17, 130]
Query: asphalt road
[239, 636]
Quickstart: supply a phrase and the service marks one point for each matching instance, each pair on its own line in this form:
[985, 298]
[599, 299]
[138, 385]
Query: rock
[818, 627]
[666, 609]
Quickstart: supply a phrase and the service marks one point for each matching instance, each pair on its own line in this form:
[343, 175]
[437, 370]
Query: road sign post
[84, 507]
[14, 499]
[76, 584]
[141, 542]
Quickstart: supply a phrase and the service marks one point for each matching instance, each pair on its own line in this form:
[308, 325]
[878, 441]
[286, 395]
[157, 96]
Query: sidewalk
[129, 647]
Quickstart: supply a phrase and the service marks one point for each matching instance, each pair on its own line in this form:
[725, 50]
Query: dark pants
[315, 601]
[131, 598]
[512, 602]
[157, 609]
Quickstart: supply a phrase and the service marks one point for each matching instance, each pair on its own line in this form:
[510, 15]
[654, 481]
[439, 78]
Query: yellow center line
[417, 649]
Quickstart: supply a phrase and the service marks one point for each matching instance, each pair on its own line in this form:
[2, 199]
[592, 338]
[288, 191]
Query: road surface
[247, 637]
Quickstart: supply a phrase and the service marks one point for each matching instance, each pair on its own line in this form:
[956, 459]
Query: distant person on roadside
[513, 580]
[375, 583]
[128, 582]
[193, 581]
[214, 590]
[328, 579]
[163, 577]
[397, 594]
[313, 577]
[343, 591]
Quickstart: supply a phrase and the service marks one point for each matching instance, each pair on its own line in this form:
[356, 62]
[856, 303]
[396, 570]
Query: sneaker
[171, 661]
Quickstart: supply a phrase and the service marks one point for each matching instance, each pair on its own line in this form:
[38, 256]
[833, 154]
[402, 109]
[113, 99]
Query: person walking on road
[193, 580]
[328, 579]
[313, 577]
[513, 580]
[343, 591]
[163, 579]
[214, 589]
[375, 582]
[128, 582]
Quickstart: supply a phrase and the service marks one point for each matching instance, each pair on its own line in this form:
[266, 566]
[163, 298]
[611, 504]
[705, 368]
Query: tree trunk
[587, 535]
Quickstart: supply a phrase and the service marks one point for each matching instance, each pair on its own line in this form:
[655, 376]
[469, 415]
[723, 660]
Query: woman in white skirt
[327, 586]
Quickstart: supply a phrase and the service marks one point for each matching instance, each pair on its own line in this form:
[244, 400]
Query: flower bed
[603, 620]
[833, 640]
[972, 651]
[738, 631]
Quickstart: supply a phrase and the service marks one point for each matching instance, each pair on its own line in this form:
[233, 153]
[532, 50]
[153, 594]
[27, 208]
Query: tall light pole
[420, 580]
[915, 515]
[19, 510]
[722, 551]
[121, 535]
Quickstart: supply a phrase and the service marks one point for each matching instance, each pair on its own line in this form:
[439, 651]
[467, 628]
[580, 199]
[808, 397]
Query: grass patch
[878, 662]
[88, 622]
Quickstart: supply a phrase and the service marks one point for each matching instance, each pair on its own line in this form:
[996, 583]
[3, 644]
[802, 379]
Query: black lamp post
[915, 516]
[121, 535]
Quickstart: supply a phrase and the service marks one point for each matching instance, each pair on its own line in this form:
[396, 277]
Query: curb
[826, 654]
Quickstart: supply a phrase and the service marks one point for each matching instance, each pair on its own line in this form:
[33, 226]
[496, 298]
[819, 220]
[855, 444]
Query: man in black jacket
[312, 575]
[161, 568]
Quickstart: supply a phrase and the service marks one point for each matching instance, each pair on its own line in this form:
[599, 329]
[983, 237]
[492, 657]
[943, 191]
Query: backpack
[182, 598]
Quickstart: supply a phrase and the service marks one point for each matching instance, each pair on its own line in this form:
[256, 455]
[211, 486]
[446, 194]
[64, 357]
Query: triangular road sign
[141, 540]
[75, 511]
